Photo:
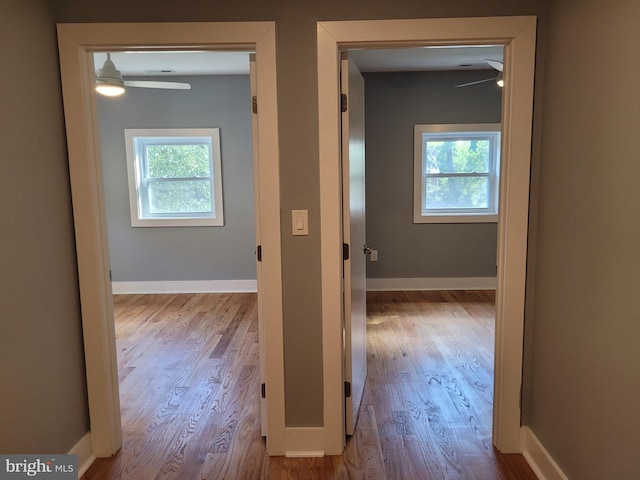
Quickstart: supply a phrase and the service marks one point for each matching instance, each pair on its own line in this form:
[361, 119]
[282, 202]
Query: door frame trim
[518, 35]
[76, 44]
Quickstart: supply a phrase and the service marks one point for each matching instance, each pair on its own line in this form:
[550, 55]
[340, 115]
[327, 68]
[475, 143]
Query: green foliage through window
[177, 176]
[180, 196]
[457, 156]
[457, 173]
[178, 161]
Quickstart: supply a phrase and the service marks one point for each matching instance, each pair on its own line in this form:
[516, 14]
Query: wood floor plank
[363, 452]
[190, 396]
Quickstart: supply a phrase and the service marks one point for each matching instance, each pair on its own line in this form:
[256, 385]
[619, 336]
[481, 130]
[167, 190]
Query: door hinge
[343, 102]
[263, 390]
[259, 252]
[347, 389]
[254, 104]
[345, 251]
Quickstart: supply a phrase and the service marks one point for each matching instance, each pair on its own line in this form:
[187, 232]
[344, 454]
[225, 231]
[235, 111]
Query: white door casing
[354, 235]
[518, 35]
[77, 42]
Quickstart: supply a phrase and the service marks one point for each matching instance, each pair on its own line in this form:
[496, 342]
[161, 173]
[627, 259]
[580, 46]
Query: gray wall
[182, 253]
[298, 126]
[43, 407]
[394, 103]
[584, 375]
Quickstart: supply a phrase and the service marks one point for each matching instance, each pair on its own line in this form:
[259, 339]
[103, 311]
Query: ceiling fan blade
[154, 84]
[495, 64]
[476, 82]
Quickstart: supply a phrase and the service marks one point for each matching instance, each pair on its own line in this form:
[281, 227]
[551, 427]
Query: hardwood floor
[189, 389]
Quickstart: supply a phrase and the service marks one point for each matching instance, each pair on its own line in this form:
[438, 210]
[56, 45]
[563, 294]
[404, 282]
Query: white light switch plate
[299, 222]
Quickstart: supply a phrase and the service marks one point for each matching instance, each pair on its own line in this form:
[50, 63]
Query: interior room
[573, 409]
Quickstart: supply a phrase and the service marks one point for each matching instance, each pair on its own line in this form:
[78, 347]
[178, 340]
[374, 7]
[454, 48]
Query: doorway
[407, 88]
[163, 185]
[77, 42]
[517, 35]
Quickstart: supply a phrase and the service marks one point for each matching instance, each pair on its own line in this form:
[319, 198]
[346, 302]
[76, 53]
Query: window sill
[177, 222]
[470, 218]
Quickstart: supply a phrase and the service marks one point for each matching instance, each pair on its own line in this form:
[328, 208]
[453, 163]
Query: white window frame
[137, 189]
[489, 131]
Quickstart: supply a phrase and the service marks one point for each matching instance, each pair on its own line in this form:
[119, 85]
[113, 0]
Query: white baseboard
[542, 464]
[190, 286]
[447, 283]
[241, 286]
[304, 439]
[84, 450]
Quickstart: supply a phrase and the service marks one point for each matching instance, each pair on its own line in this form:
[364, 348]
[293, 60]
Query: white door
[256, 190]
[353, 205]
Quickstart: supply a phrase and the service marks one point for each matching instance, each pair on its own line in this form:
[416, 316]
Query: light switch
[299, 222]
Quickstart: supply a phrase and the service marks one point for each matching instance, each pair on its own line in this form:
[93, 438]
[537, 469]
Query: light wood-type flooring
[189, 387]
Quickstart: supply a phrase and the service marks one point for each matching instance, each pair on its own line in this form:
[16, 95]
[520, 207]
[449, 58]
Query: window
[456, 170]
[174, 177]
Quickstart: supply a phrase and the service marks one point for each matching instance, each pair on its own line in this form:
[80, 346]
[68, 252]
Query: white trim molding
[305, 441]
[137, 140]
[540, 461]
[423, 134]
[431, 283]
[185, 286]
[518, 36]
[76, 43]
[84, 450]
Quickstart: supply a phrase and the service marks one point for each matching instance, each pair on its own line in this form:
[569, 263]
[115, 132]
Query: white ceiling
[139, 63]
[426, 58]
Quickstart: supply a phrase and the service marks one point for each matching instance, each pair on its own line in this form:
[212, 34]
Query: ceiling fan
[499, 79]
[109, 81]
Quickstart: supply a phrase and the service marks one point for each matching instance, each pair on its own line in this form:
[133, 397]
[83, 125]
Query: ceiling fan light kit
[109, 79]
[499, 79]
